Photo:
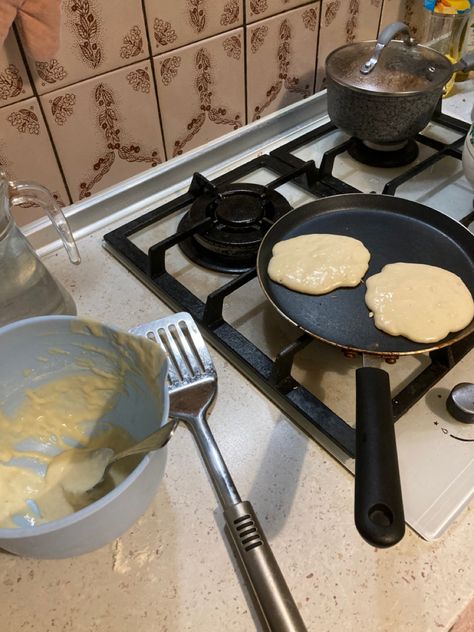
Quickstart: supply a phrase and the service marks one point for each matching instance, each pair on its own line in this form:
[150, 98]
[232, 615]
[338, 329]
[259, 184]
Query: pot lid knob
[460, 402]
[385, 37]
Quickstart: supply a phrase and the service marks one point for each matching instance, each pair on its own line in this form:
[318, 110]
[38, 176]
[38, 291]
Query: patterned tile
[96, 37]
[105, 129]
[281, 58]
[411, 12]
[26, 153]
[14, 81]
[174, 23]
[344, 22]
[201, 91]
[258, 9]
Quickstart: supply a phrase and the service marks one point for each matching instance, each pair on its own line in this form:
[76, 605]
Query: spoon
[80, 471]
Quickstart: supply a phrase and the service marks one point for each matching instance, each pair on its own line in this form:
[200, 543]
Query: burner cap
[385, 156]
[238, 209]
[239, 216]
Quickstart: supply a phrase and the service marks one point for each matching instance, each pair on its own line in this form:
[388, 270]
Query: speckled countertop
[173, 572]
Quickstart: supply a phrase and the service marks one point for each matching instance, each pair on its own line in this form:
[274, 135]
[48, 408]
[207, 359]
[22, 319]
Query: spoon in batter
[80, 471]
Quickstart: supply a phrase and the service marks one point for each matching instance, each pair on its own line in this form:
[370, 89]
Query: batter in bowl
[48, 424]
[61, 415]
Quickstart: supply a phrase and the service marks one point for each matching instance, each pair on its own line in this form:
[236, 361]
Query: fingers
[8, 11]
[40, 25]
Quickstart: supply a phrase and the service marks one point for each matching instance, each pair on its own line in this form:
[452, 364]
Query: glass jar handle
[21, 192]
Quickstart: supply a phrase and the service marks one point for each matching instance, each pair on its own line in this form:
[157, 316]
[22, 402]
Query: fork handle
[269, 587]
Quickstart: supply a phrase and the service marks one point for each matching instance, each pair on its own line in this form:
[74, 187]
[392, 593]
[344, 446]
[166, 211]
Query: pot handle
[385, 37]
[378, 504]
[465, 64]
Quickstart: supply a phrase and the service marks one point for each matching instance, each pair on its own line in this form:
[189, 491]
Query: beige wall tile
[201, 91]
[26, 153]
[281, 59]
[392, 11]
[174, 23]
[344, 22]
[411, 12]
[105, 129]
[258, 9]
[96, 37]
[14, 81]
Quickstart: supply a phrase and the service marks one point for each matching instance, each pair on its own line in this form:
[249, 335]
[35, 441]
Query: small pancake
[318, 263]
[421, 302]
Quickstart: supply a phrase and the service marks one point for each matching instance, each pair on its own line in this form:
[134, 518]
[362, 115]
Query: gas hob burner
[230, 221]
[374, 155]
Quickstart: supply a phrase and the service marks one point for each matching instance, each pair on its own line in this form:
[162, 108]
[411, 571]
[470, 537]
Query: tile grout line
[282, 14]
[320, 17]
[245, 26]
[201, 39]
[153, 74]
[40, 105]
[228, 30]
[97, 76]
[274, 15]
[21, 99]
[380, 18]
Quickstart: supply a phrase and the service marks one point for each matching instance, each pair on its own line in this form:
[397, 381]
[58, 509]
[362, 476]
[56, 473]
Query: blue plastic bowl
[28, 353]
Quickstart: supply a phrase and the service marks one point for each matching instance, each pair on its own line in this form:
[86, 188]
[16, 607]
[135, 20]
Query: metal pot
[385, 92]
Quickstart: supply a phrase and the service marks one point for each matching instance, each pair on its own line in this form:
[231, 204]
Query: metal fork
[192, 387]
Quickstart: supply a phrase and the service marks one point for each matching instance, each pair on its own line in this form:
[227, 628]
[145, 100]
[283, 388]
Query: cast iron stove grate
[352, 146]
[272, 376]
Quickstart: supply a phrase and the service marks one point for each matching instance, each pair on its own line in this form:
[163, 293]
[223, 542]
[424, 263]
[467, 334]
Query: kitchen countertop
[173, 570]
[461, 101]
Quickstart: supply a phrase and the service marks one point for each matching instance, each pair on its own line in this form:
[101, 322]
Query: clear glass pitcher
[27, 288]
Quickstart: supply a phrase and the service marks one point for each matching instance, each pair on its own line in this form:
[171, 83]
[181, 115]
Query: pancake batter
[318, 263]
[46, 425]
[421, 302]
[57, 422]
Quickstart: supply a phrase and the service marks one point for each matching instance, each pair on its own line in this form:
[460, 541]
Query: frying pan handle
[379, 513]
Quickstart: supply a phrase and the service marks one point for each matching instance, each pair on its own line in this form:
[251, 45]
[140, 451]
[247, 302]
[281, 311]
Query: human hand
[39, 24]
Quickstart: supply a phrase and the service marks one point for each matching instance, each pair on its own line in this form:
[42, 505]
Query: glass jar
[467, 46]
[27, 287]
[468, 153]
[444, 32]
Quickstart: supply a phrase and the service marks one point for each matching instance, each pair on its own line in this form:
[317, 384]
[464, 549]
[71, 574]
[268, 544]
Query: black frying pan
[392, 229]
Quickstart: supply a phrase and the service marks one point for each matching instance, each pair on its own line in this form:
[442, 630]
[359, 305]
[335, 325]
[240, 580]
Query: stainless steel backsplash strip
[142, 192]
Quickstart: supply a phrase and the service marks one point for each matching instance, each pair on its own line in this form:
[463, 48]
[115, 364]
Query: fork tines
[181, 340]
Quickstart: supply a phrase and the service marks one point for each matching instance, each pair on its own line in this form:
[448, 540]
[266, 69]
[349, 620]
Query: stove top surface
[312, 382]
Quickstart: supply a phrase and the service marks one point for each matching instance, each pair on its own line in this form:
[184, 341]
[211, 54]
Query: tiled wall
[137, 82]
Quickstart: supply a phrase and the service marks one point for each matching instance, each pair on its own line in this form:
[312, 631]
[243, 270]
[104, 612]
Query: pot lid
[401, 68]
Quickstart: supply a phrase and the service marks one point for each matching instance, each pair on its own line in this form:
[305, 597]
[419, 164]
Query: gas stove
[196, 246]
